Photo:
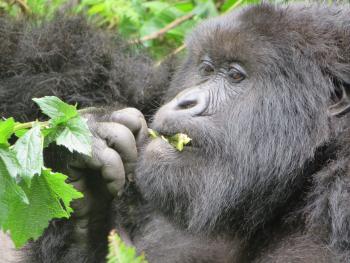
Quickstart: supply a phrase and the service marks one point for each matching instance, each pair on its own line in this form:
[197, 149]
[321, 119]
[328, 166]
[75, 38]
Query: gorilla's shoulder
[72, 59]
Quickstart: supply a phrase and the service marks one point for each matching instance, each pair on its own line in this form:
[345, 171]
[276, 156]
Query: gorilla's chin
[183, 186]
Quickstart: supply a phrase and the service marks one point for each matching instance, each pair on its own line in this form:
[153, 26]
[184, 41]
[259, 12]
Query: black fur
[76, 62]
[268, 180]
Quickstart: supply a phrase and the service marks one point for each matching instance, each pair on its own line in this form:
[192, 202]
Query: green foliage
[49, 197]
[31, 194]
[111, 12]
[36, 8]
[45, 7]
[29, 153]
[151, 23]
[6, 128]
[57, 110]
[158, 25]
[75, 136]
[119, 252]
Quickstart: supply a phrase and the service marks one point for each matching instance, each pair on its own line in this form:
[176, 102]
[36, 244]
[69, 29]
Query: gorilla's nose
[192, 101]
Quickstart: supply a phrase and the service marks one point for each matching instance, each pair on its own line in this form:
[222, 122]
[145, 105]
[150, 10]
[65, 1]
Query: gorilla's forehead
[244, 35]
[222, 37]
[262, 32]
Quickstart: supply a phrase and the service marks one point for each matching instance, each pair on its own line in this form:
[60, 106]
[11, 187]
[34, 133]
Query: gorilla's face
[255, 107]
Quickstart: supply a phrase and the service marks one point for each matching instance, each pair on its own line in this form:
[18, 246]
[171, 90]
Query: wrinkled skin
[264, 95]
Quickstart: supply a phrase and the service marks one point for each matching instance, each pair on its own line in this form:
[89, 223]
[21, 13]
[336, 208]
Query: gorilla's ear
[342, 105]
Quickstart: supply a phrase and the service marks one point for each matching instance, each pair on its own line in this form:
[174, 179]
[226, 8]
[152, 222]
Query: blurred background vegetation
[160, 26]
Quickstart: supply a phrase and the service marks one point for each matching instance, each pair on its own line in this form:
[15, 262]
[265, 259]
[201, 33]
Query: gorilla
[264, 93]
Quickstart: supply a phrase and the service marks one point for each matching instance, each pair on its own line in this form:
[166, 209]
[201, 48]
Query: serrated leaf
[51, 134]
[119, 252]
[63, 191]
[29, 152]
[46, 195]
[76, 136]
[56, 109]
[6, 130]
[10, 192]
[10, 162]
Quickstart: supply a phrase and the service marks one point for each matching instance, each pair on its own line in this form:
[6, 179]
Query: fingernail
[131, 177]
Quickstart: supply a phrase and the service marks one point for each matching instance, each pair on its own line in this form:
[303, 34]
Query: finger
[109, 163]
[112, 170]
[93, 161]
[143, 133]
[80, 233]
[82, 206]
[130, 117]
[134, 120]
[120, 138]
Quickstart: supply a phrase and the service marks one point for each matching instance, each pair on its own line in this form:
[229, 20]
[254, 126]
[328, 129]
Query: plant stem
[164, 30]
[28, 125]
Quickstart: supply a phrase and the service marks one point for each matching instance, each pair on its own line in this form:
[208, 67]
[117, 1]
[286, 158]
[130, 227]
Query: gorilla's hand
[114, 145]
[101, 177]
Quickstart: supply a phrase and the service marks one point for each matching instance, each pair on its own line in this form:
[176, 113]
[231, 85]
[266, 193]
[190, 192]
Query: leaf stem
[28, 125]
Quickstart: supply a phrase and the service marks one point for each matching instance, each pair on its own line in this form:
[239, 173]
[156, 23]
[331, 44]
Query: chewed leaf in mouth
[178, 141]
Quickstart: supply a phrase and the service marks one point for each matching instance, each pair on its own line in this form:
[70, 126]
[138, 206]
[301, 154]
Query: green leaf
[29, 152]
[6, 130]
[97, 9]
[205, 8]
[10, 162]
[51, 134]
[21, 132]
[65, 192]
[153, 134]
[56, 109]
[49, 197]
[179, 140]
[76, 136]
[228, 4]
[185, 6]
[10, 192]
[121, 253]
[156, 6]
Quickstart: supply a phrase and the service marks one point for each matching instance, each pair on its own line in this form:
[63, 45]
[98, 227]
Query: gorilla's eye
[206, 68]
[236, 75]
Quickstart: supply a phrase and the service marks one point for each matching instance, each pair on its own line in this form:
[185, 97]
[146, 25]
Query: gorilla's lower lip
[161, 147]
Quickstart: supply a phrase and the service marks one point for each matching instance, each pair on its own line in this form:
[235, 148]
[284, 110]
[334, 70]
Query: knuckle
[134, 111]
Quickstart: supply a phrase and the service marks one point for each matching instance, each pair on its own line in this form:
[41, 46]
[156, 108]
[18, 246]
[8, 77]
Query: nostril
[189, 102]
[186, 104]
